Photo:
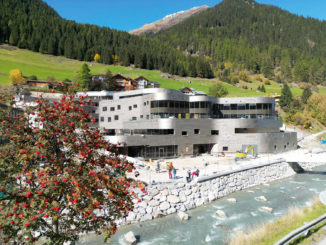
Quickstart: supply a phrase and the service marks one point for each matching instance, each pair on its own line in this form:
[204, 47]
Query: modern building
[161, 123]
[92, 107]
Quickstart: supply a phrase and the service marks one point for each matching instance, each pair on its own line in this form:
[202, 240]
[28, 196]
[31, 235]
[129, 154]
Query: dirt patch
[7, 47]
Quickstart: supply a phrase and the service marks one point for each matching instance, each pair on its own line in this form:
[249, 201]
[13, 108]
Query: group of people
[173, 171]
[190, 175]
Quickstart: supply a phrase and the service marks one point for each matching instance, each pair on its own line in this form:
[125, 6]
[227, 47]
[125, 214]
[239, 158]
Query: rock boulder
[130, 238]
[183, 216]
[221, 214]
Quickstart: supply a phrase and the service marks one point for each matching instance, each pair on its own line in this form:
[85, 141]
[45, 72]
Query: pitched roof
[142, 78]
[119, 76]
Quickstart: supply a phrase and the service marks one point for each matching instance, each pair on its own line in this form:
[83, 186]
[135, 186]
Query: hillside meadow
[44, 66]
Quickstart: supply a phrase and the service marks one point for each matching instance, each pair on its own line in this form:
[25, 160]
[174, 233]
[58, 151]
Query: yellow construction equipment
[249, 149]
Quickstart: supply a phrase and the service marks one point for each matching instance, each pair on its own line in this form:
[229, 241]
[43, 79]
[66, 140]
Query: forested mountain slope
[261, 38]
[33, 25]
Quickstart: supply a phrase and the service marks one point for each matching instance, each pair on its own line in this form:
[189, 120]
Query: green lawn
[322, 90]
[43, 66]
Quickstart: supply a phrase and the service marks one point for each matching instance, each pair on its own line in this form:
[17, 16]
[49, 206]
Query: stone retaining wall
[163, 200]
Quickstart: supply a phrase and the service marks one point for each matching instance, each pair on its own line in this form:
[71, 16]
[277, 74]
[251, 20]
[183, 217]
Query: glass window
[234, 106]
[105, 108]
[109, 119]
[253, 107]
[102, 119]
[259, 106]
[130, 108]
[116, 117]
[134, 118]
[196, 131]
[112, 108]
[184, 133]
[176, 104]
[119, 107]
[214, 132]
[135, 106]
[203, 104]
[241, 106]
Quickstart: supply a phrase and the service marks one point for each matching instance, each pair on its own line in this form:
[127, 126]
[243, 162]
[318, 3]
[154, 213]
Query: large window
[154, 131]
[153, 152]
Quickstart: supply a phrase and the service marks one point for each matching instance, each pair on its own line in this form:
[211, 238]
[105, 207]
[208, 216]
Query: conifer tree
[84, 76]
[306, 95]
[286, 98]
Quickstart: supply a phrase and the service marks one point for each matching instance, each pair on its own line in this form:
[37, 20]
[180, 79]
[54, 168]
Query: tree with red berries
[58, 177]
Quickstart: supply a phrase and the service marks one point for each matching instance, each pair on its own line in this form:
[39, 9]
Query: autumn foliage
[58, 177]
[97, 57]
[15, 76]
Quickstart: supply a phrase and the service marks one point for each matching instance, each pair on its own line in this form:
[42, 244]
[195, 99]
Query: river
[204, 227]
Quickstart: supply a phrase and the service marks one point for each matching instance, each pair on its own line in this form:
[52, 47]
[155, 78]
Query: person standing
[174, 171]
[188, 176]
[170, 173]
[197, 172]
[158, 167]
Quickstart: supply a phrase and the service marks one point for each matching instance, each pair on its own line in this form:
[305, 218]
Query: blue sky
[132, 14]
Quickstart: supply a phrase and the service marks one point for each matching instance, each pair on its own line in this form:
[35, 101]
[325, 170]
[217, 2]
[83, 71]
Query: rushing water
[204, 227]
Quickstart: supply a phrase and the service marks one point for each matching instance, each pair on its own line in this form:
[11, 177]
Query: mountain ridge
[168, 21]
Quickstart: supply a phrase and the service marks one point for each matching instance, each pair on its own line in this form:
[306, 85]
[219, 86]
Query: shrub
[267, 82]
[243, 75]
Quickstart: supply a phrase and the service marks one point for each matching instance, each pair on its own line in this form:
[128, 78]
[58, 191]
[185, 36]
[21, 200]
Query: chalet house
[142, 82]
[38, 83]
[125, 83]
[191, 91]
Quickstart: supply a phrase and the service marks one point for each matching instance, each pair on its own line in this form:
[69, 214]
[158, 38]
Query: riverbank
[168, 198]
[272, 232]
[206, 227]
